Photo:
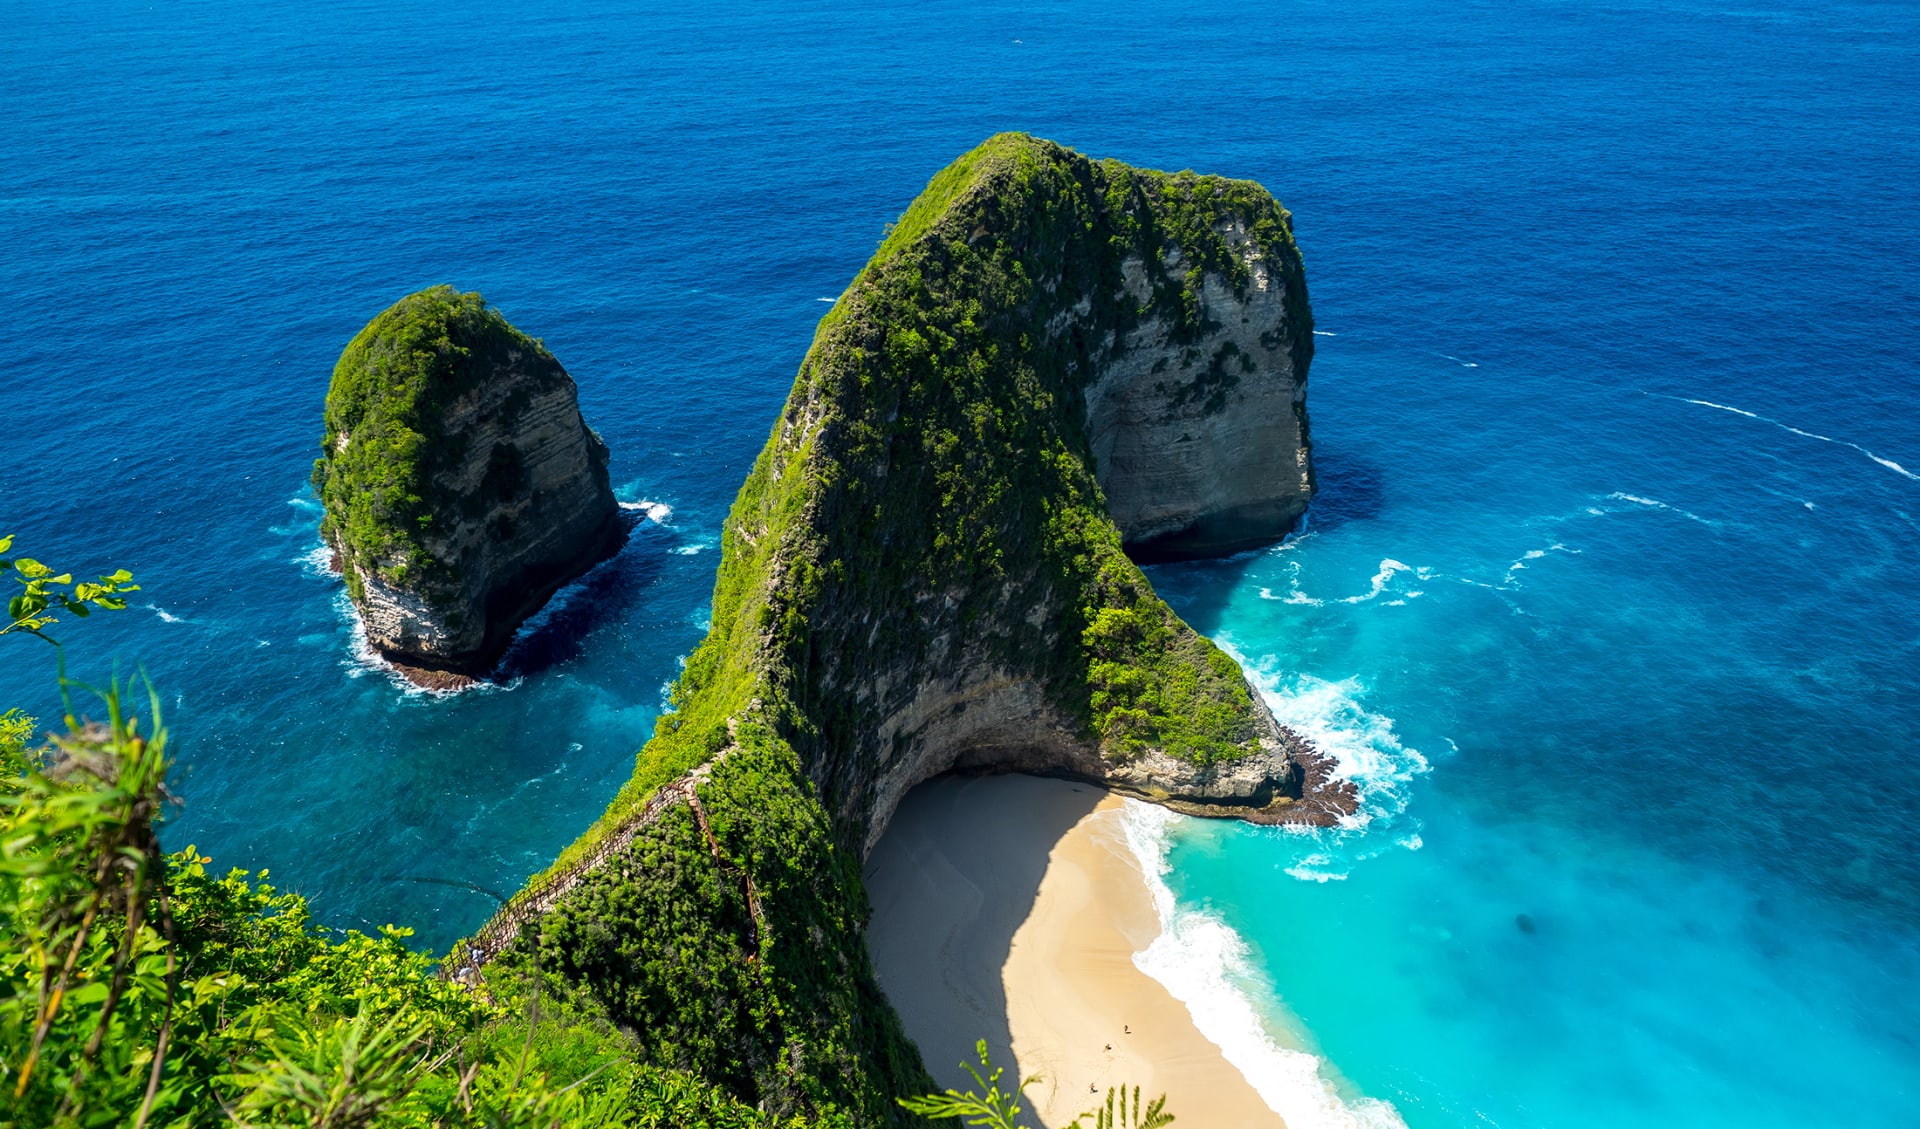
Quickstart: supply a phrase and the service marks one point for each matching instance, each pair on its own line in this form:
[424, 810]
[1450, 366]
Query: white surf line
[1888, 463]
[1198, 958]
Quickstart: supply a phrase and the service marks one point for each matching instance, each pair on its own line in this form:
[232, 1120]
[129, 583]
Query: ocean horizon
[1606, 602]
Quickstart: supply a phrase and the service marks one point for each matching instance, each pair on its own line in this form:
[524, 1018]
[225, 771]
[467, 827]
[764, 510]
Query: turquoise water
[1604, 649]
[1636, 747]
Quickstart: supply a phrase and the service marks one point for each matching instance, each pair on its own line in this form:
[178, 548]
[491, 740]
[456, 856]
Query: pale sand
[1009, 908]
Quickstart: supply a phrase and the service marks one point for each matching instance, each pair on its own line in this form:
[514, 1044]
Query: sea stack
[461, 485]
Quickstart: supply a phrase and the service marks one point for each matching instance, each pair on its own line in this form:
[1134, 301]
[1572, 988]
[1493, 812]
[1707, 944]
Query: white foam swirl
[658, 513]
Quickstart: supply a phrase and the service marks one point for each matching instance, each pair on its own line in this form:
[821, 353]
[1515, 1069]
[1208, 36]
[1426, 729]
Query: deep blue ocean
[1608, 600]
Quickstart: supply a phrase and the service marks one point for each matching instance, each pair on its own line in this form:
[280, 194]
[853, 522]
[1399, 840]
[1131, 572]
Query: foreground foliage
[140, 988]
[1000, 1109]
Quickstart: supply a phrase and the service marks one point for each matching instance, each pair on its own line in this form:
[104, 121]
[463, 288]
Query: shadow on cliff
[953, 879]
[554, 635]
[1350, 490]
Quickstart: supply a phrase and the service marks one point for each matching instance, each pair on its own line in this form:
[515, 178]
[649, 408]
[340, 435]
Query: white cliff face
[1201, 447]
[985, 720]
[525, 507]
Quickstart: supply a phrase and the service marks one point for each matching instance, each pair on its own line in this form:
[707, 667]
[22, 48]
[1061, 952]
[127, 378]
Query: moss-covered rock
[461, 486]
[924, 572]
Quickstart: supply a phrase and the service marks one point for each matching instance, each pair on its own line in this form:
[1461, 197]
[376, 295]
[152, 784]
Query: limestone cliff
[1049, 359]
[462, 487]
[1197, 414]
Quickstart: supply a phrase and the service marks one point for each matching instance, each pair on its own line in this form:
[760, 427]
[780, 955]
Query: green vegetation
[43, 593]
[739, 958]
[384, 444]
[933, 452]
[930, 479]
[1000, 1109]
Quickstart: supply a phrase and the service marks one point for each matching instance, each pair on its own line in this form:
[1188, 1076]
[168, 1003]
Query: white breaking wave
[1324, 333]
[658, 513]
[1199, 959]
[1363, 744]
[1388, 567]
[1654, 504]
[1296, 596]
[362, 659]
[318, 562]
[1510, 580]
[1379, 584]
[1885, 462]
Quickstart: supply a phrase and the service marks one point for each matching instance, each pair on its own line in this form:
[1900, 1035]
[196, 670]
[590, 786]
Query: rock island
[461, 486]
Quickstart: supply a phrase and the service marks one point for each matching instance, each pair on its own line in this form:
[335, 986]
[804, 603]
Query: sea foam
[1205, 965]
[658, 513]
[1883, 461]
[1365, 747]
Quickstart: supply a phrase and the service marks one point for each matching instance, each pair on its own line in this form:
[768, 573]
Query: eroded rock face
[987, 720]
[1201, 446]
[462, 486]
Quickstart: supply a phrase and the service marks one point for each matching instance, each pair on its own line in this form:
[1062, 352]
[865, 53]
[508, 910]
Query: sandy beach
[1009, 908]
